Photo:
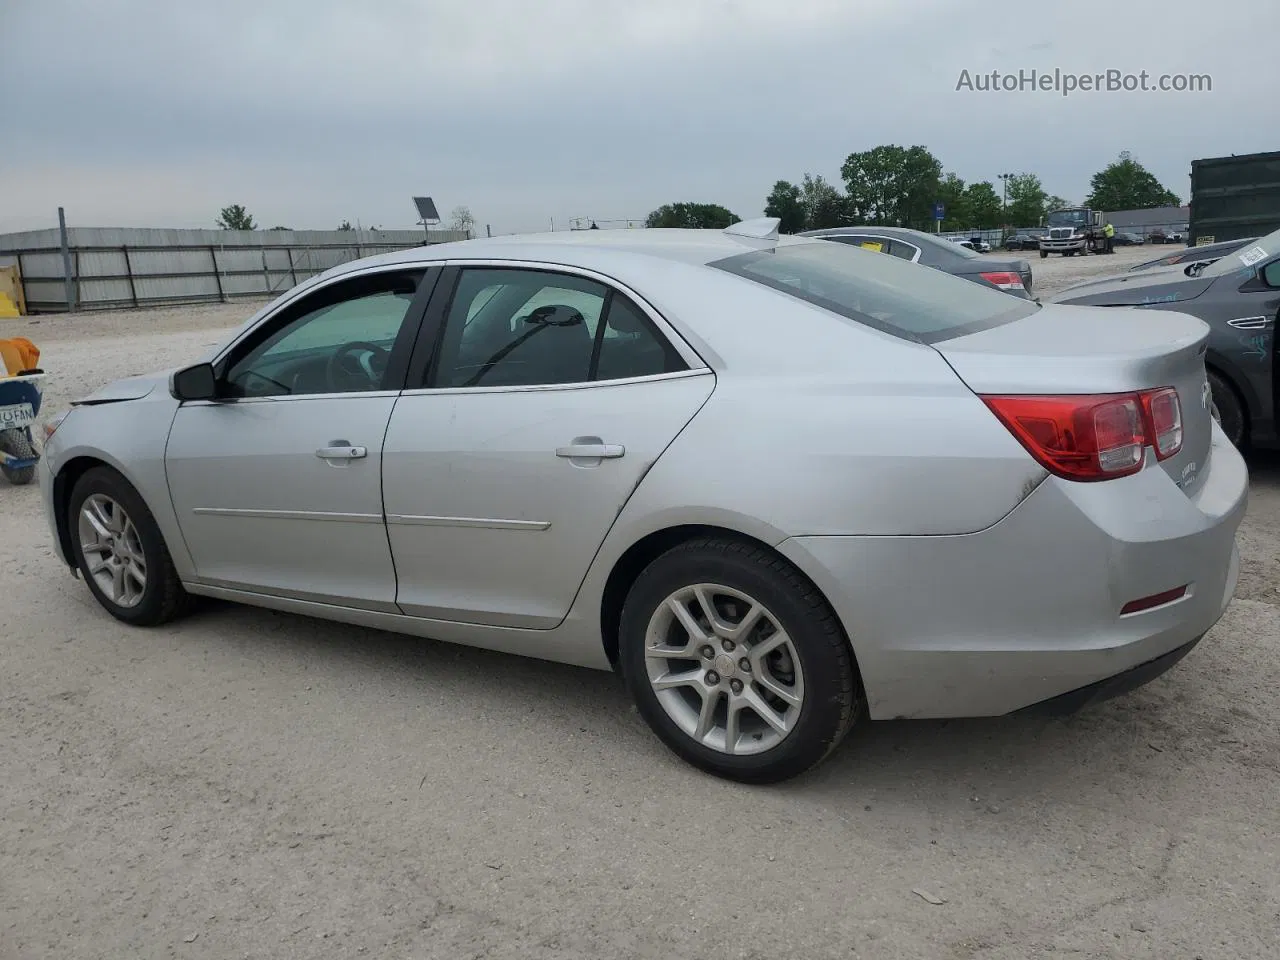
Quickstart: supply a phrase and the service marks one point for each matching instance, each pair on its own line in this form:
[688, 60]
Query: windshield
[1248, 258]
[1068, 218]
[896, 296]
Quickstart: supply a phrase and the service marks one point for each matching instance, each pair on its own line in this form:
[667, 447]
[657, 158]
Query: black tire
[1231, 413]
[1044, 254]
[832, 690]
[18, 444]
[163, 597]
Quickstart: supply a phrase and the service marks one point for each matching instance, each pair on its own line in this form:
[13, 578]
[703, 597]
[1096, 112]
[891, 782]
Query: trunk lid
[1001, 265]
[1063, 349]
[1158, 285]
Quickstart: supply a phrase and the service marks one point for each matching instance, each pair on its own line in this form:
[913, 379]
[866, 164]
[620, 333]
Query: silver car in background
[780, 484]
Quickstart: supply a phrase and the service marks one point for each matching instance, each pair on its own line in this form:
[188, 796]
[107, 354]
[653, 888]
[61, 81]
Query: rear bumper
[1110, 688]
[1028, 610]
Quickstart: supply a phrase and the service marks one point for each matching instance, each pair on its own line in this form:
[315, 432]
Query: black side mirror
[1271, 274]
[196, 382]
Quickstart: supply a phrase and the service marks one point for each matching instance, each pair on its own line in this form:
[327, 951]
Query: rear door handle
[341, 450]
[591, 451]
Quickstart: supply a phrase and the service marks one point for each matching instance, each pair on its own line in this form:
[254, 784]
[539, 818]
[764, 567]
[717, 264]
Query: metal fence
[113, 268]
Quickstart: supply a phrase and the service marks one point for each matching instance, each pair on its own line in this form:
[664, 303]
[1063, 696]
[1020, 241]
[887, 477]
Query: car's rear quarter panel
[821, 425]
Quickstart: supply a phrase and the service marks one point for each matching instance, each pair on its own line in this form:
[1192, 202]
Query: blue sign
[939, 211]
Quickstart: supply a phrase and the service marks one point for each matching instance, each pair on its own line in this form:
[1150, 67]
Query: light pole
[1004, 197]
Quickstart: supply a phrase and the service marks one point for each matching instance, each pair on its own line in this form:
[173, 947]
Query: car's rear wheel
[1228, 410]
[737, 662]
[121, 552]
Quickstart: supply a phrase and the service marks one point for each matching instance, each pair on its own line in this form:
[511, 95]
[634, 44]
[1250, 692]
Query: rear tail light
[1093, 436]
[1003, 280]
[1164, 414]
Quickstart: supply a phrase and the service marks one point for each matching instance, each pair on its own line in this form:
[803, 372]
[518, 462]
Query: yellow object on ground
[12, 303]
[19, 354]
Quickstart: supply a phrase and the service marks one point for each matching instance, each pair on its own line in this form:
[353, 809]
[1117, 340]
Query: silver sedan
[780, 484]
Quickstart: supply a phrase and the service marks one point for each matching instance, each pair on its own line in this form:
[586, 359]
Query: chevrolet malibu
[781, 485]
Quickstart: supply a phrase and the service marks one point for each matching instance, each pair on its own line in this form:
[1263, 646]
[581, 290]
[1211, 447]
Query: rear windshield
[1249, 257]
[896, 296]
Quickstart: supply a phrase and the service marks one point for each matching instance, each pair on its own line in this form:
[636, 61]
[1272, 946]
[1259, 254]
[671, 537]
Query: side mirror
[196, 382]
[1271, 274]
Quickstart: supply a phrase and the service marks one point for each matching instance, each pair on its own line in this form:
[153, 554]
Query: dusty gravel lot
[252, 784]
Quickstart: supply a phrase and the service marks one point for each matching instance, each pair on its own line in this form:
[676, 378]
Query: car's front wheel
[737, 662]
[121, 552]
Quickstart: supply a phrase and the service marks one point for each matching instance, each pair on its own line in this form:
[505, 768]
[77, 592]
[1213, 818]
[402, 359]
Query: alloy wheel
[113, 551]
[723, 669]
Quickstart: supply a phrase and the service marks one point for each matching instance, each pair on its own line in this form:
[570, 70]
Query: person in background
[1109, 232]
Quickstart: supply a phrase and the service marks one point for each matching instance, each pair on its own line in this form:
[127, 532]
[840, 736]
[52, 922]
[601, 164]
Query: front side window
[515, 327]
[336, 340]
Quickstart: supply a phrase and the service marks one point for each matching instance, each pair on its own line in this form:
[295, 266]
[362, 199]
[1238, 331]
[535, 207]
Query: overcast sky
[159, 112]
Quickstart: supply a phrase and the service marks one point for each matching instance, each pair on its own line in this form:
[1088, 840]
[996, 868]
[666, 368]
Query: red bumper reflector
[1155, 600]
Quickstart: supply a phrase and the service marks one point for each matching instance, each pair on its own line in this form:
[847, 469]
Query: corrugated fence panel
[37, 266]
[44, 294]
[202, 286]
[170, 262]
[103, 292]
[124, 266]
[98, 263]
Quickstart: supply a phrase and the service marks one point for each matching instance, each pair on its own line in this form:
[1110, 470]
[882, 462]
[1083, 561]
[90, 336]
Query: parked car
[1125, 239]
[781, 484]
[1011, 276]
[1022, 241]
[1205, 253]
[1238, 295]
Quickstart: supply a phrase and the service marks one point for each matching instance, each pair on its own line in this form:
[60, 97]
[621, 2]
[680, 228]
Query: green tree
[786, 202]
[951, 195]
[694, 216]
[1128, 185]
[1026, 200]
[235, 217]
[890, 184]
[345, 225]
[985, 207]
[282, 228]
[824, 206]
[1054, 202]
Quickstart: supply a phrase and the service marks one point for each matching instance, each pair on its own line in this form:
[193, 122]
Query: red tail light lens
[1092, 437]
[1164, 414]
[1005, 281]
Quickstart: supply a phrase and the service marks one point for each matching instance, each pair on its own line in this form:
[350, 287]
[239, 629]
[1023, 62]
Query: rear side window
[905, 299]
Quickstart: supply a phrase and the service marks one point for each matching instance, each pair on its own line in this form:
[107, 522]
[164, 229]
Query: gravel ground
[252, 784]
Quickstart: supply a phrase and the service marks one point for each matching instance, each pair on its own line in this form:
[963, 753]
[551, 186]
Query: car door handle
[341, 450]
[591, 451]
